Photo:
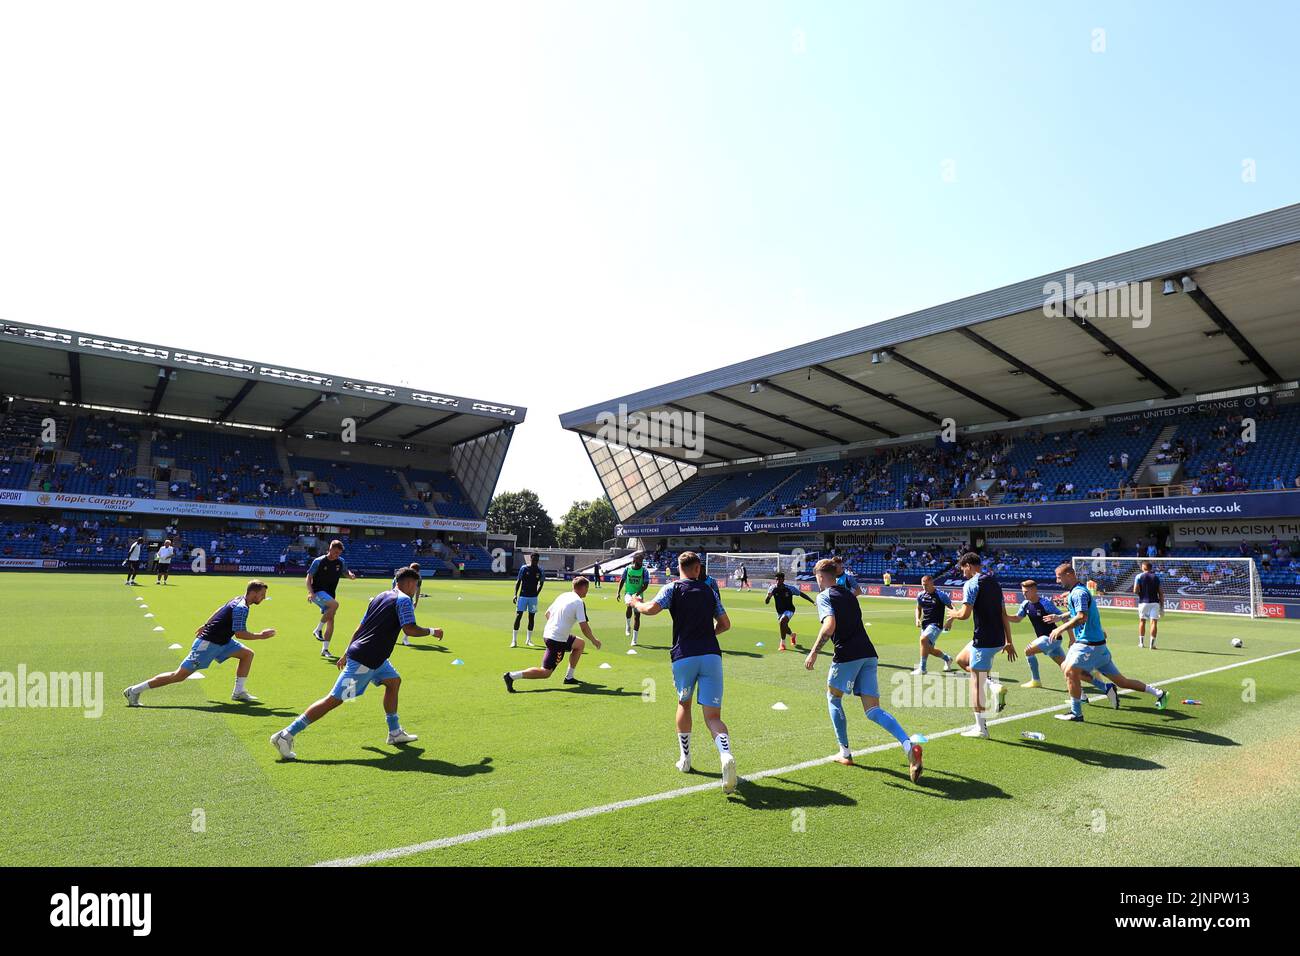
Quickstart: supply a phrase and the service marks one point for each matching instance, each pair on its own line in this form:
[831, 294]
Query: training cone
[457, 662]
[173, 647]
[631, 650]
[779, 706]
[160, 628]
[606, 666]
[197, 675]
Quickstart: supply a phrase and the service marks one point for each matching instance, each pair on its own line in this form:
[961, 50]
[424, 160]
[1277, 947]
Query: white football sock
[569, 674]
[141, 687]
[980, 721]
[514, 635]
[1153, 691]
[724, 745]
[684, 745]
[516, 675]
[239, 684]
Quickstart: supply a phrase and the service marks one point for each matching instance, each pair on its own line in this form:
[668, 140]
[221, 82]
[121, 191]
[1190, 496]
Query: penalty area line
[443, 843]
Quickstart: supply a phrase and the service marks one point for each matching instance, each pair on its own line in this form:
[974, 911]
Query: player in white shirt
[565, 611]
[164, 560]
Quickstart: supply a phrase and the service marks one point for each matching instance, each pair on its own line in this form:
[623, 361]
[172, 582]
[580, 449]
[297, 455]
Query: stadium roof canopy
[109, 371]
[1222, 311]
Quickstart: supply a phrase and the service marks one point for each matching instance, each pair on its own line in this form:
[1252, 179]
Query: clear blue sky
[568, 186]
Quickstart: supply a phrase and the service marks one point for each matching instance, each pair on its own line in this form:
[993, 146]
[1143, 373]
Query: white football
[1237, 642]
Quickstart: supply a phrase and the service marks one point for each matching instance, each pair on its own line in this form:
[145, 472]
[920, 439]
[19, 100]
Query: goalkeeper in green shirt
[635, 580]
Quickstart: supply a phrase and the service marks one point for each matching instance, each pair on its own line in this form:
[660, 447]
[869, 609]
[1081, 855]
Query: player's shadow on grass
[1180, 650]
[900, 667]
[256, 709]
[408, 759]
[1186, 734]
[756, 795]
[597, 690]
[940, 783]
[1089, 757]
[726, 651]
[440, 648]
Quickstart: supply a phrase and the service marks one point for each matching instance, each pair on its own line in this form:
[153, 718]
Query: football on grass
[1237, 642]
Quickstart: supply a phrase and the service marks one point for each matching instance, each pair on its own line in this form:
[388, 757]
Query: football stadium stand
[1149, 393]
[257, 465]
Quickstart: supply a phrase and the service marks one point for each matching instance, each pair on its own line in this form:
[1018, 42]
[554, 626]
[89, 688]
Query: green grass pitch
[190, 779]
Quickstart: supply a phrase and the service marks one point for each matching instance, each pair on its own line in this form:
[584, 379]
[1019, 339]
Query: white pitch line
[445, 842]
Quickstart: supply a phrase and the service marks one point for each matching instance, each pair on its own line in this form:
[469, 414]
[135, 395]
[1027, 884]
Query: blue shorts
[528, 604]
[322, 599]
[703, 672]
[857, 678]
[356, 677]
[785, 615]
[1049, 646]
[203, 653]
[1091, 657]
[981, 658]
[931, 633]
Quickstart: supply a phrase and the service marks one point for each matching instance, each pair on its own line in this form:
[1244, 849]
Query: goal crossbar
[1193, 585]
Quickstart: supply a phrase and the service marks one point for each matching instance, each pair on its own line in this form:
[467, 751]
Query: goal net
[760, 566]
[1196, 585]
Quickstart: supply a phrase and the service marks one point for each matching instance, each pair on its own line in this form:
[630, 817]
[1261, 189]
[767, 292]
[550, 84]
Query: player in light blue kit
[1088, 651]
[844, 577]
[1042, 614]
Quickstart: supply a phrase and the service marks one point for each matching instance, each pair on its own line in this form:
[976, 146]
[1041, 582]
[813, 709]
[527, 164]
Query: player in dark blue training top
[930, 606]
[528, 586]
[323, 588]
[1151, 603]
[419, 592]
[698, 618]
[366, 662]
[216, 641]
[784, 596]
[853, 667]
[982, 600]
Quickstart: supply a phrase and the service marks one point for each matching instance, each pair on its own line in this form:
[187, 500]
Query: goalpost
[761, 566]
[1194, 585]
